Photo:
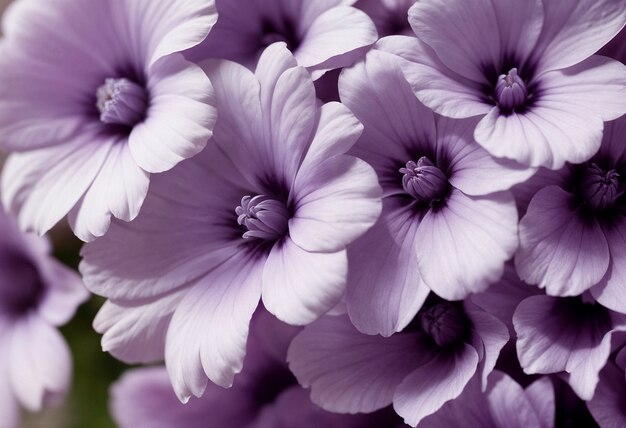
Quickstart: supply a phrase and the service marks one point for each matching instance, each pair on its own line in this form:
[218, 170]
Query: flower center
[424, 181]
[284, 31]
[511, 91]
[445, 322]
[21, 288]
[264, 218]
[600, 188]
[121, 102]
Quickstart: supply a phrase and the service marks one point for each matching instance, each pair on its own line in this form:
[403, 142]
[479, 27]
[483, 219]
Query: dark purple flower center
[511, 91]
[262, 217]
[599, 188]
[424, 181]
[121, 102]
[445, 322]
[21, 288]
[280, 31]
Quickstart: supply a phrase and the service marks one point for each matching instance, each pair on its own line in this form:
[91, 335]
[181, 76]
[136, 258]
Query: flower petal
[559, 250]
[611, 291]
[608, 405]
[494, 335]
[300, 286]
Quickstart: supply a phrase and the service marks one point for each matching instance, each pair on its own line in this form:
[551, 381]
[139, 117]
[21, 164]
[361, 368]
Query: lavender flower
[572, 237]
[94, 97]
[265, 394]
[37, 294]
[390, 16]
[608, 405]
[505, 404]
[448, 223]
[418, 370]
[268, 210]
[322, 35]
[525, 68]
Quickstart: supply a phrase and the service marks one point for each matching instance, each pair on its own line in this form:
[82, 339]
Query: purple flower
[526, 69]
[390, 16]
[321, 34]
[267, 211]
[505, 404]
[448, 223]
[573, 236]
[94, 97]
[418, 370]
[264, 395]
[37, 294]
[608, 405]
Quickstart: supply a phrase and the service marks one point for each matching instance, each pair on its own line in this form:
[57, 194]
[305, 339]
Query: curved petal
[335, 33]
[430, 386]
[438, 87]
[9, 406]
[134, 332]
[65, 292]
[510, 405]
[492, 335]
[336, 201]
[209, 330]
[300, 286]
[559, 250]
[541, 396]
[462, 247]
[180, 118]
[385, 289]
[573, 31]
[470, 168]
[564, 335]
[608, 405]
[347, 371]
[611, 291]
[41, 364]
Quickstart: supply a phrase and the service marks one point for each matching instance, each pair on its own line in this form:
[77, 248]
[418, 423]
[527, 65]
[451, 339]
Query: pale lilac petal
[208, 332]
[441, 89]
[9, 406]
[477, 32]
[335, 33]
[472, 170]
[611, 291]
[577, 340]
[180, 118]
[509, 405]
[559, 250]
[335, 202]
[494, 335]
[384, 286]
[348, 371]
[541, 396]
[41, 364]
[462, 248]
[44, 185]
[65, 292]
[608, 405]
[144, 398]
[299, 286]
[119, 189]
[136, 332]
[430, 386]
[573, 31]
[524, 192]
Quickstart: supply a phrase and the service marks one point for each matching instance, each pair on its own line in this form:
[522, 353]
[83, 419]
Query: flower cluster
[329, 213]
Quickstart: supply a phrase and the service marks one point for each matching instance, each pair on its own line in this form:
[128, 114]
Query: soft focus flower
[95, 97]
[265, 395]
[608, 405]
[573, 236]
[505, 404]
[390, 16]
[321, 34]
[37, 294]
[267, 210]
[448, 223]
[418, 370]
[525, 68]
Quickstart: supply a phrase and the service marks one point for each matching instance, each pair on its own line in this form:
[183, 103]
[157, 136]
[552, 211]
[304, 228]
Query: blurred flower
[94, 98]
[37, 294]
[268, 210]
[525, 68]
[448, 223]
[321, 34]
[418, 370]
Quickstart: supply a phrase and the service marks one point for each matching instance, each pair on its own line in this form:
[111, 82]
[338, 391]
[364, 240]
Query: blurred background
[94, 371]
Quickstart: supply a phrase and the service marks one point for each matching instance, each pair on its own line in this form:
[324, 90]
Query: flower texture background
[313, 213]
